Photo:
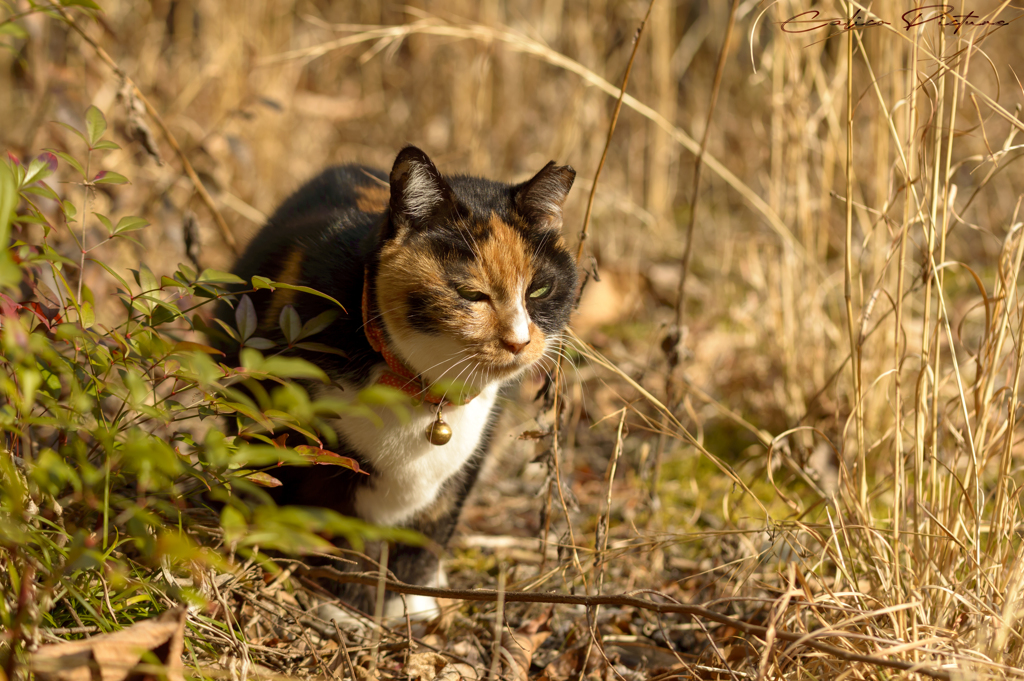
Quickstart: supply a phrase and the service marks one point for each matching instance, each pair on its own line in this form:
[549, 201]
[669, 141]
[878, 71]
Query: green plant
[108, 459]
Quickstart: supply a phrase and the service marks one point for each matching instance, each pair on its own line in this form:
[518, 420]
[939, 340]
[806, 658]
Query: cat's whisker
[555, 351]
[455, 380]
[469, 360]
[377, 317]
[449, 359]
[540, 245]
[465, 232]
[464, 360]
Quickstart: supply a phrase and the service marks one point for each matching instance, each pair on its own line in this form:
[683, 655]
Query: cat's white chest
[409, 470]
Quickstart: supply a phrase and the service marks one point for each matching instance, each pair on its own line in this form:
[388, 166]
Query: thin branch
[625, 600]
[698, 166]
[611, 131]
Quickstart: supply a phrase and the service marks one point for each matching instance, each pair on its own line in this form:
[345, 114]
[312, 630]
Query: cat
[443, 279]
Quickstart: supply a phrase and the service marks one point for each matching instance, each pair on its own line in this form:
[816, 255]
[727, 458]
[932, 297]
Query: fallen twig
[491, 595]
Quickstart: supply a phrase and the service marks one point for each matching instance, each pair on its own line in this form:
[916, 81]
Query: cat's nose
[514, 346]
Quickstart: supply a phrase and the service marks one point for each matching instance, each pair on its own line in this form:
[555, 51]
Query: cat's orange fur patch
[372, 198]
[402, 271]
[290, 273]
[503, 260]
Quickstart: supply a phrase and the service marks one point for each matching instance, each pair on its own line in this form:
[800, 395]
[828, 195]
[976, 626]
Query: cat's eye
[470, 294]
[541, 292]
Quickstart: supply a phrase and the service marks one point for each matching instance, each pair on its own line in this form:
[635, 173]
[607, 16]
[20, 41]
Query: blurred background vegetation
[884, 489]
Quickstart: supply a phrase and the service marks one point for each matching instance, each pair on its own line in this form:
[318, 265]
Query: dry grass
[842, 456]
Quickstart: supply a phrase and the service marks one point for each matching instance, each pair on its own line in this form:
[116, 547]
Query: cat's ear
[418, 192]
[540, 199]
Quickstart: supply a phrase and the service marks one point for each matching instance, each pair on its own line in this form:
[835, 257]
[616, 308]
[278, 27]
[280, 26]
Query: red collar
[398, 375]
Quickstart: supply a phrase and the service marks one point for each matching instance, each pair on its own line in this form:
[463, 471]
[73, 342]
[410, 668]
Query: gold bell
[439, 432]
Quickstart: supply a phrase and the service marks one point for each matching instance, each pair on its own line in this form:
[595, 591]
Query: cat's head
[474, 282]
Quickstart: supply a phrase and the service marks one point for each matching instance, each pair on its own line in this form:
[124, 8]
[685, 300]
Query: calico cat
[444, 279]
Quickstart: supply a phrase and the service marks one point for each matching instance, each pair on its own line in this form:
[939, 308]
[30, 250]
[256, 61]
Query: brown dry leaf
[641, 655]
[114, 657]
[523, 644]
[564, 666]
[456, 672]
[425, 666]
[568, 664]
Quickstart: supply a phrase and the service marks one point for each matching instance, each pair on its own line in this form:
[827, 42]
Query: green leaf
[218, 277]
[48, 254]
[245, 317]
[233, 522]
[293, 367]
[109, 177]
[188, 275]
[164, 312]
[317, 324]
[115, 275]
[12, 29]
[106, 144]
[291, 324]
[260, 343]
[95, 124]
[72, 129]
[106, 223]
[320, 347]
[147, 280]
[279, 415]
[70, 160]
[190, 346]
[69, 210]
[128, 238]
[39, 168]
[264, 479]
[87, 316]
[454, 391]
[10, 274]
[42, 190]
[150, 300]
[31, 220]
[281, 367]
[252, 413]
[81, 3]
[253, 456]
[130, 223]
[316, 455]
[228, 329]
[262, 282]
[304, 289]
[383, 395]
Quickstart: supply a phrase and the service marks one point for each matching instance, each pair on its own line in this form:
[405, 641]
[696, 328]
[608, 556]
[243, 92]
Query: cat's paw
[343, 618]
[422, 608]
